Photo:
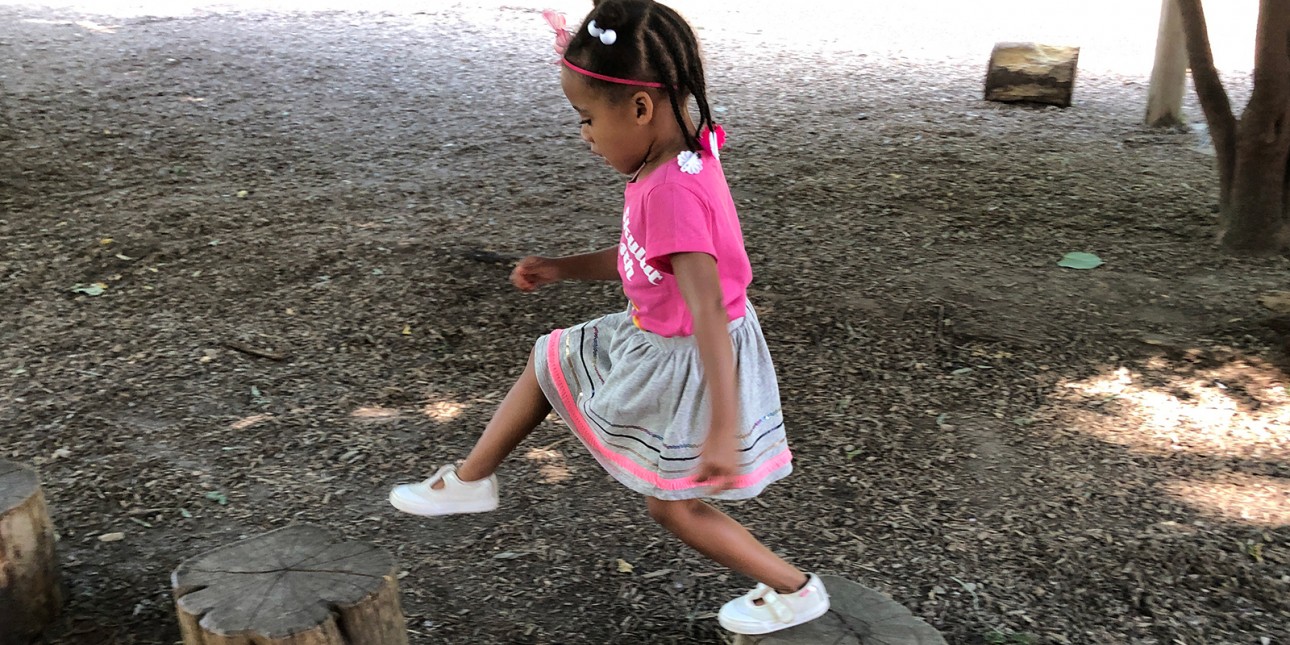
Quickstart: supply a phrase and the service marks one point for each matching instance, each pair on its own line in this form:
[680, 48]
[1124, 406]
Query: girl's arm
[696, 275]
[535, 271]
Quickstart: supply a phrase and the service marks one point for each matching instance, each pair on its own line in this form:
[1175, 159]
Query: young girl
[675, 397]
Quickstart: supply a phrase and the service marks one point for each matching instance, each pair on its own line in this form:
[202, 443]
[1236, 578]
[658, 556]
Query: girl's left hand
[719, 461]
[533, 272]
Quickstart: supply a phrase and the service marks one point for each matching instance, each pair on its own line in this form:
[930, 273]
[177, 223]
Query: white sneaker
[455, 497]
[777, 611]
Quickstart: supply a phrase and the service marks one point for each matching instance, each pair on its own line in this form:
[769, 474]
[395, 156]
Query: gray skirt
[638, 402]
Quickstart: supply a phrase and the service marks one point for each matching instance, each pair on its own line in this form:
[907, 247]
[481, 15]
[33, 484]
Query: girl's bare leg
[520, 412]
[721, 538]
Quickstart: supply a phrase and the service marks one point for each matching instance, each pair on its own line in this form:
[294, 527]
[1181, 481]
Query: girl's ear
[643, 104]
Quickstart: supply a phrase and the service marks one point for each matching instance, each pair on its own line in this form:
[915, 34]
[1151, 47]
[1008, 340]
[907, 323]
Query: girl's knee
[670, 512]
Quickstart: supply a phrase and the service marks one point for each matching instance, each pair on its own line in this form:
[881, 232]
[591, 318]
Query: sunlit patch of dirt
[552, 465]
[249, 421]
[442, 411]
[1240, 409]
[1250, 499]
[375, 413]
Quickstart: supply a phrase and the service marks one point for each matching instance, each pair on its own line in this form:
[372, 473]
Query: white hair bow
[606, 36]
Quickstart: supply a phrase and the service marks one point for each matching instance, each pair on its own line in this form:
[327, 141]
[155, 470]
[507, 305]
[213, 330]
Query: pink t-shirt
[670, 211]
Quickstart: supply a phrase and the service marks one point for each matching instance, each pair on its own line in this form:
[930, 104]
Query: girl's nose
[586, 134]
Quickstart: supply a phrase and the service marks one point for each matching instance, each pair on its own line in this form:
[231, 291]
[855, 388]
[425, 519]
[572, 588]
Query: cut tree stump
[30, 597]
[1033, 73]
[1278, 302]
[858, 615]
[292, 586]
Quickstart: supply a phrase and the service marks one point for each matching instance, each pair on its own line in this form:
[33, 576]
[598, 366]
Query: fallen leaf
[624, 566]
[95, 289]
[1256, 552]
[1080, 260]
[112, 537]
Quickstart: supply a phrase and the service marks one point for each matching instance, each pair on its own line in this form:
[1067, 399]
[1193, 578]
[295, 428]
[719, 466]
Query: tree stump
[1278, 302]
[1032, 73]
[858, 615]
[30, 597]
[292, 586]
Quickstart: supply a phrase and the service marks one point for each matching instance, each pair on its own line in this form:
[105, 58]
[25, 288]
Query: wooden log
[292, 586]
[1278, 302]
[858, 615]
[1169, 73]
[30, 597]
[1033, 73]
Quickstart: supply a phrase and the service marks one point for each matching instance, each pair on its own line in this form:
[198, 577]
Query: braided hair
[654, 43]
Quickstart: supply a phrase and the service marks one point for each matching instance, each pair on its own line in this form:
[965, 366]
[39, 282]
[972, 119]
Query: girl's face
[618, 131]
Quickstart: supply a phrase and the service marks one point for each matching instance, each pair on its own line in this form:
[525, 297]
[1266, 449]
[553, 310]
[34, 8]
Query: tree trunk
[1252, 154]
[1169, 74]
[30, 597]
[1210, 92]
[1255, 219]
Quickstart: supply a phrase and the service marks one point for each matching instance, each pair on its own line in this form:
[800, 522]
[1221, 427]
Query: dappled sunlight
[1238, 410]
[1237, 413]
[1251, 499]
[375, 413]
[442, 411]
[552, 466]
[247, 422]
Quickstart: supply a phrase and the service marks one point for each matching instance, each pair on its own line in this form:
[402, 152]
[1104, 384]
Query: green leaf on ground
[1079, 260]
[95, 289]
[216, 496]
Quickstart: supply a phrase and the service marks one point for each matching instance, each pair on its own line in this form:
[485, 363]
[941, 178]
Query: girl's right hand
[533, 272]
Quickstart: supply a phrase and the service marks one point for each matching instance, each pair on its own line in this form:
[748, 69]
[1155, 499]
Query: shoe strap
[771, 602]
[438, 476]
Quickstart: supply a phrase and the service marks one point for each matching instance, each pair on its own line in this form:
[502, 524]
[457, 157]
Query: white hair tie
[606, 36]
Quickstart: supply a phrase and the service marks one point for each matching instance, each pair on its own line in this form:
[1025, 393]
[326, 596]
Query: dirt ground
[1019, 453]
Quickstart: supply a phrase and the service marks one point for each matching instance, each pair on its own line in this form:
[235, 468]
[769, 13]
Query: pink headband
[608, 79]
[606, 36]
